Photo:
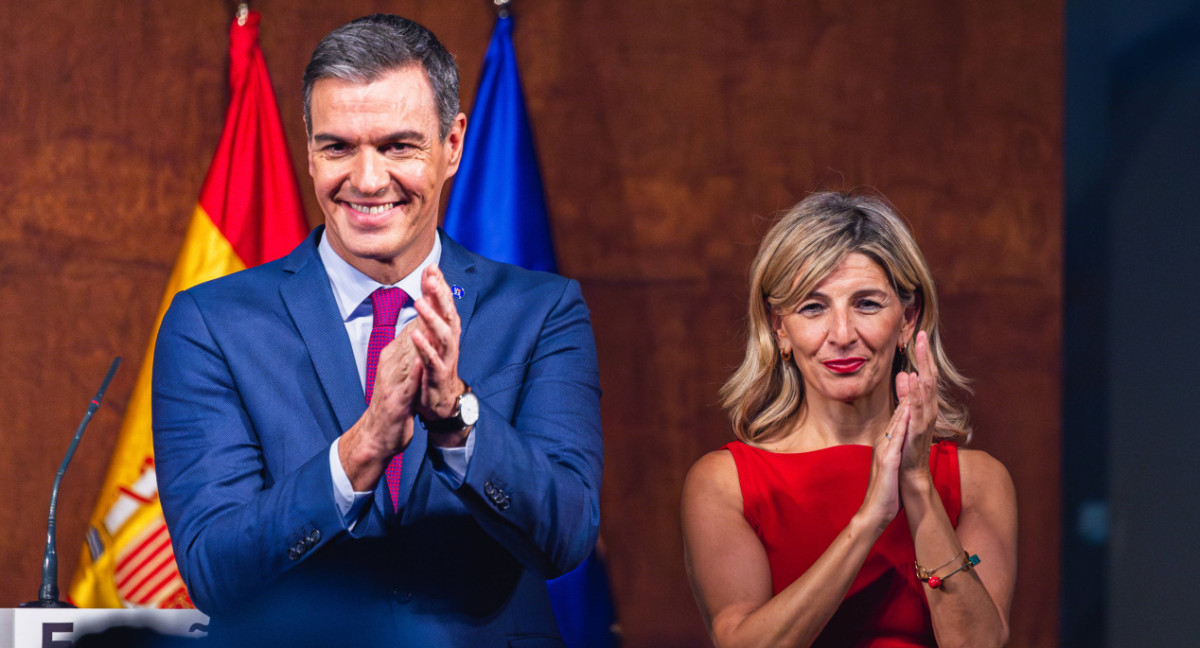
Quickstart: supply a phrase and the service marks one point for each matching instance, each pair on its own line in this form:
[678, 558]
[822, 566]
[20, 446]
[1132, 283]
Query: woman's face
[845, 333]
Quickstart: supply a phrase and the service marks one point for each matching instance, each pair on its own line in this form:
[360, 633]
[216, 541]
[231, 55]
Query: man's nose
[369, 175]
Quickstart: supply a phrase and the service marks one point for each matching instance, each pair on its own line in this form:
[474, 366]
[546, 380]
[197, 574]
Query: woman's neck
[821, 423]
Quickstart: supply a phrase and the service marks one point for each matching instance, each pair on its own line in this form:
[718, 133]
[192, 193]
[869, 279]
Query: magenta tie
[385, 304]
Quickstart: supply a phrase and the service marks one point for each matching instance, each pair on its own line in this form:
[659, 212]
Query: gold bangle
[927, 576]
[924, 574]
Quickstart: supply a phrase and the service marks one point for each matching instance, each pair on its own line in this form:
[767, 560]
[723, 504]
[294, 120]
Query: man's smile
[370, 209]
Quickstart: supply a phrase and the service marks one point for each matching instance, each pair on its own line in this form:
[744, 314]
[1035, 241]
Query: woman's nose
[842, 331]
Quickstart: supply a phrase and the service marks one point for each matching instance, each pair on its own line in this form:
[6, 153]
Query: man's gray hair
[365, 49]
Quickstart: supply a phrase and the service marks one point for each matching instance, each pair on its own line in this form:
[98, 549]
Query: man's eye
[396, 148]
[336, 149]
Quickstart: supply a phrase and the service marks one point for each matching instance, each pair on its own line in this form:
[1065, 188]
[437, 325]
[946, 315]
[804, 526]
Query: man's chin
[379, 253]
[384, 248]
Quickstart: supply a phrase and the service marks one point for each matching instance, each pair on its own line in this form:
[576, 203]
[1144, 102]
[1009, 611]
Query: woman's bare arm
[728, 567]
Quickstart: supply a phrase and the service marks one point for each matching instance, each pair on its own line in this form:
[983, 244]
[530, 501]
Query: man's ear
[454, 143]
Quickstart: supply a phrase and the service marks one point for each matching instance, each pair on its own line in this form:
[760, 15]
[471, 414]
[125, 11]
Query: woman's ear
[779, 333]
[912, 317]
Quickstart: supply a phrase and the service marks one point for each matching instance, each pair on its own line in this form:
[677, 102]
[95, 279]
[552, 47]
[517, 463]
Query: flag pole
[502, 7]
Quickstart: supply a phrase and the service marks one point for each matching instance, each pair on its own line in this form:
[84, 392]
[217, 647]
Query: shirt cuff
[457, 460]
[350, 502]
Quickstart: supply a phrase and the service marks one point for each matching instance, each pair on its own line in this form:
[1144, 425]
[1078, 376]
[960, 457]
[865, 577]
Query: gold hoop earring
[903, 347]
[786, 355]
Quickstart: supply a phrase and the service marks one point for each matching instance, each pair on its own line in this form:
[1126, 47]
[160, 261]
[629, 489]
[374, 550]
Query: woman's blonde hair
[806, 244]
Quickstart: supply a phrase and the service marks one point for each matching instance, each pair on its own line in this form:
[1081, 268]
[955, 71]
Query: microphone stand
[48, 592]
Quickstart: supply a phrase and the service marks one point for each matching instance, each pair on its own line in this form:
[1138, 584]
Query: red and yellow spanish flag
[249, 213]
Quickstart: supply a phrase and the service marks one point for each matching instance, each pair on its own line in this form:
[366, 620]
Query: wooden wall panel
[669, 131]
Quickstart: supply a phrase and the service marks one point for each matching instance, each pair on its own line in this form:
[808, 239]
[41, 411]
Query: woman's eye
[811, 309]
[869, 306]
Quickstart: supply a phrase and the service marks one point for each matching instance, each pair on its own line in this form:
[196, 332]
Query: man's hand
[386, 428]
[436, 339]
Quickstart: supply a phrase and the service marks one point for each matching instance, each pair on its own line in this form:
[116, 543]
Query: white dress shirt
[352, 292]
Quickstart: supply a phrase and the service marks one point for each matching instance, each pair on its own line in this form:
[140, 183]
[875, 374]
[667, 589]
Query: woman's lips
[845, 365]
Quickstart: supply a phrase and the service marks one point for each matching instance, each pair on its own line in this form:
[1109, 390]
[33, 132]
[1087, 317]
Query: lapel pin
[458, 291]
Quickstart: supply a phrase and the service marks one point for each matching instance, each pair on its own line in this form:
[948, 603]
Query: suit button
[490, 490]
[293, 554]
[315, 536]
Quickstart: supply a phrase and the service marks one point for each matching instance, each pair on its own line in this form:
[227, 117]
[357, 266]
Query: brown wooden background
[668, 131]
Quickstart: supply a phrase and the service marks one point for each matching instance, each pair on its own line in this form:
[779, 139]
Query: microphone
[48, 592]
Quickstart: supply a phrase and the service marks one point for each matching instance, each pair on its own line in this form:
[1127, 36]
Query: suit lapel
[309, 301]
[458, 266]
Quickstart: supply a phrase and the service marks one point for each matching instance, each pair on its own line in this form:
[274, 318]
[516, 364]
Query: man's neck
[351, 285]
[390, 271]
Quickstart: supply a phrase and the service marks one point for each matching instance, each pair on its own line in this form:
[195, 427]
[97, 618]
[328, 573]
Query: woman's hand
[920, 391]
[882, 502]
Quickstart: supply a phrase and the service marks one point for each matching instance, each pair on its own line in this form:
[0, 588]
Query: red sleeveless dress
[798, 503]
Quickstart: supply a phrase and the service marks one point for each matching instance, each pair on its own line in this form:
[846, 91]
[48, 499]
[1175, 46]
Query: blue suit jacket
[253, 380]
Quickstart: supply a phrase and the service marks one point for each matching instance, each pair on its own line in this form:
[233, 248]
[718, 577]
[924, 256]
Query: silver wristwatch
[466, 413]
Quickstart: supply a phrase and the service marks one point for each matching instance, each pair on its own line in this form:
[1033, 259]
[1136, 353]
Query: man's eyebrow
[326, 138]
[398, 136]
[409, 135]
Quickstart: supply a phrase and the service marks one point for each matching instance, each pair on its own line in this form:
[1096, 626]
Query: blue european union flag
[497, 209]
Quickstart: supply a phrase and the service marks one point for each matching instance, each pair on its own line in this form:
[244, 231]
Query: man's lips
[372, 215]
[369, 210]
[844, 365]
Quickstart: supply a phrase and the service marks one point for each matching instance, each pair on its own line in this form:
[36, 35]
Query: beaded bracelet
[934, 581]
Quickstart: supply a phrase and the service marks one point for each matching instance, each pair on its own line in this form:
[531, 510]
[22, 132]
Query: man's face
[378, 165]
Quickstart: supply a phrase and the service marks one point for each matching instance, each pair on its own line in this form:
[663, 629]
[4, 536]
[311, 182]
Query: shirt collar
[351, 287]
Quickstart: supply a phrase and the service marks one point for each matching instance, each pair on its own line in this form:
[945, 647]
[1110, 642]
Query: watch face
[469, 408]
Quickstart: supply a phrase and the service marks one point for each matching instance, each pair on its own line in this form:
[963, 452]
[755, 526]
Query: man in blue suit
[327, 485]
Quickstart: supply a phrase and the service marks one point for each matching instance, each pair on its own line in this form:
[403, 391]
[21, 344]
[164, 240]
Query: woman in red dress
[846, 514]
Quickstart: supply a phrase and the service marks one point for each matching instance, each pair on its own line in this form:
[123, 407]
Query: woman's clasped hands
[901, 454]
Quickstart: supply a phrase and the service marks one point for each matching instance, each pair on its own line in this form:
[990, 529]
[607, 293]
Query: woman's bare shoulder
[714, 468]
[982, 476]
